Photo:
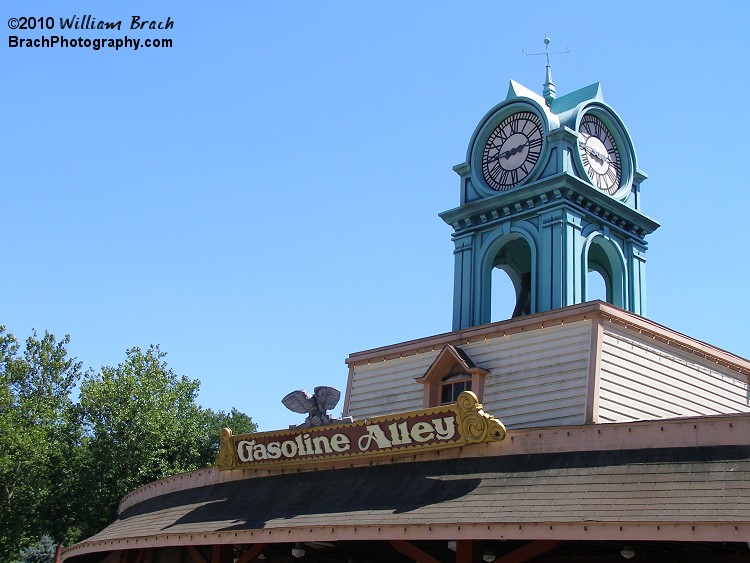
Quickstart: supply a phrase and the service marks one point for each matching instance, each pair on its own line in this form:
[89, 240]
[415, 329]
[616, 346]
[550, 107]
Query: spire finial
[549, 87]
[549, 92]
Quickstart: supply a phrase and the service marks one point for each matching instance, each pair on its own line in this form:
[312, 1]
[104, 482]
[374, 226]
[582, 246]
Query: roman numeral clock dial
[599, 154]
[512, 150]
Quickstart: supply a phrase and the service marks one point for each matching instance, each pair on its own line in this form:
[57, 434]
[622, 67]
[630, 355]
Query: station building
[576, 430]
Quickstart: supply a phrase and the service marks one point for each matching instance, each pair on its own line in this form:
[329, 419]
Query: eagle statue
[315, 405]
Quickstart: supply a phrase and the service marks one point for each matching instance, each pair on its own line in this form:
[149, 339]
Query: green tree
[39, 441]
[237, 421]
[41, 552]
[65, 466]
[144, 424]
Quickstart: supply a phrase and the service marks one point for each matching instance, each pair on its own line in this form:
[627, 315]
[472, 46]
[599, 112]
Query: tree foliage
[143, 424]
[41, 552]
[64, 465]
[39, 434]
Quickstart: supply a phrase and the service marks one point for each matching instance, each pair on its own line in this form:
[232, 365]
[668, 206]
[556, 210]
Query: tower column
[560, 264]
[636, 254]
[464, 282]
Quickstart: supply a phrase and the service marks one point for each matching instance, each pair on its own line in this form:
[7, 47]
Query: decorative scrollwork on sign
[225, 457]
[407, 433]
[474, 424]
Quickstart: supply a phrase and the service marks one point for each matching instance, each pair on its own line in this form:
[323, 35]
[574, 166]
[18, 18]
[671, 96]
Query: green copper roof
[569, 101]
[516, 90]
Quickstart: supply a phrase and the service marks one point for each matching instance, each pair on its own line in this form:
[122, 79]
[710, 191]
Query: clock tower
[550, 191]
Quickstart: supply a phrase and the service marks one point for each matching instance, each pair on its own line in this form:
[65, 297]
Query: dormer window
[451, 373]
[451, 387]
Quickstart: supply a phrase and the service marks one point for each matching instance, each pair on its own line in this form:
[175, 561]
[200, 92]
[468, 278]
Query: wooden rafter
[412, 551]
[529, 551]
[195, 555]
[222, 553]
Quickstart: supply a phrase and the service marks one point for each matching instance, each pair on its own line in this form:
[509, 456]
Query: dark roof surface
[704, 484]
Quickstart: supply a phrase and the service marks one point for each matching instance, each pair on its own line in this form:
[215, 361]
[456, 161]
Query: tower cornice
[553, 190]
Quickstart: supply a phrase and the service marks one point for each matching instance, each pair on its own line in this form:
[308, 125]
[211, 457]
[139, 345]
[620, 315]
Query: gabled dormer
[452, 372]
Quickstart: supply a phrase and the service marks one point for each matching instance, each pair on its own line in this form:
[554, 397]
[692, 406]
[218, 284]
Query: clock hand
[603, 158]
[608, 160]
[593, 153]
[506, 154]
[599, 156]
[514, 150]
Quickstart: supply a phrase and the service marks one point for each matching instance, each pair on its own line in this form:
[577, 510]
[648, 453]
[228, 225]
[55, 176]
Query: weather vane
[549, 88]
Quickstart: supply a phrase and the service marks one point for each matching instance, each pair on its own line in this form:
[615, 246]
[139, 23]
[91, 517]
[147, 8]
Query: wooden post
[468, 551]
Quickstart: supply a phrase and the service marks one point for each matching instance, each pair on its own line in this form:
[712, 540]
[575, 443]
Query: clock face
[599, 154]
[512, 150]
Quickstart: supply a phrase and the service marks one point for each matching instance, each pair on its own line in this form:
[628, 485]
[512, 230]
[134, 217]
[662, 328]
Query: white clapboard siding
[537, 378]
[540, 369]
[643, 379]
[657, 386]
[387, 387]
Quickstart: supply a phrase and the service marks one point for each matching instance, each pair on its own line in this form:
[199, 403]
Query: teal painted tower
[550, 190]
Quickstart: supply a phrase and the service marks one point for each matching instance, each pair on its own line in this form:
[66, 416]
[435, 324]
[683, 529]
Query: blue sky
[261, 199]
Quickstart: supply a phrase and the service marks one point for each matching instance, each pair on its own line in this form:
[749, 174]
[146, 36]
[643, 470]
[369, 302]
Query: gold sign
[441, 427]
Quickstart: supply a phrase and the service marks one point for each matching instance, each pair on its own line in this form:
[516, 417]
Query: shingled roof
[706, 484]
